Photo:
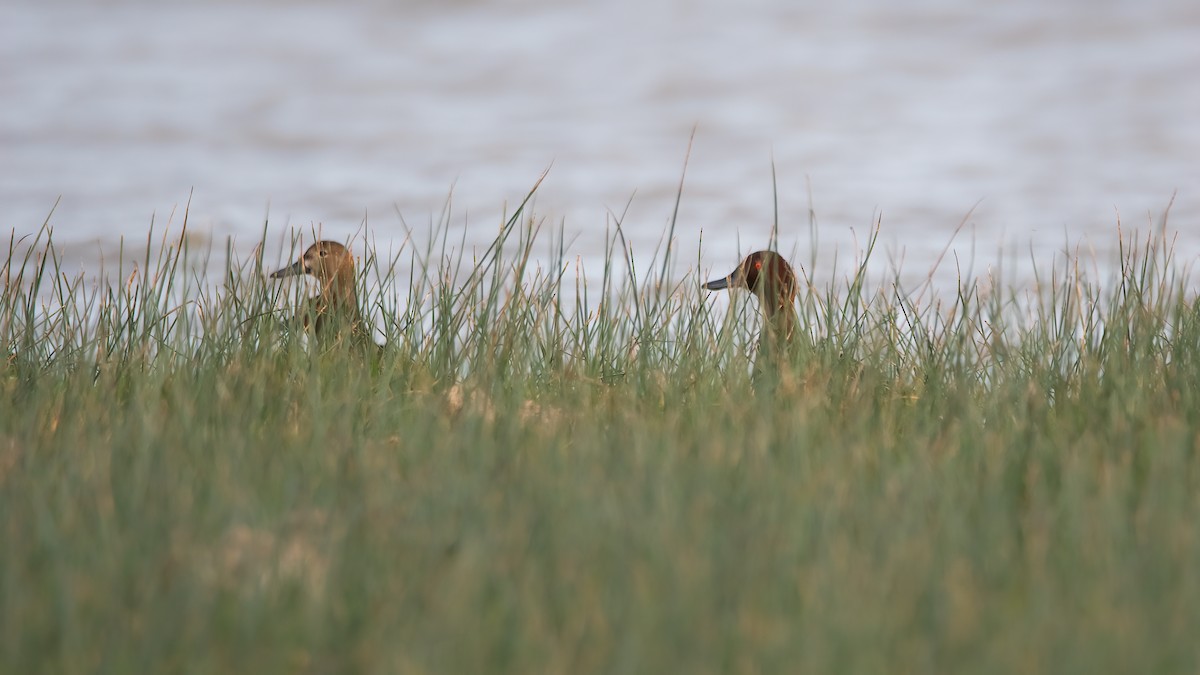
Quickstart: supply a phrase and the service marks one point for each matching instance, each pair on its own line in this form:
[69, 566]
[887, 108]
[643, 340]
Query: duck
[333, 315]
[768, 276]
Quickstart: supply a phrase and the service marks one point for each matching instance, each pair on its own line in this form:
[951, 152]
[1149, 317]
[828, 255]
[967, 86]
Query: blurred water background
[1037, 123]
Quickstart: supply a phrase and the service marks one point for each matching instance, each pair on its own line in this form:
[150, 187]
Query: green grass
[542, 475]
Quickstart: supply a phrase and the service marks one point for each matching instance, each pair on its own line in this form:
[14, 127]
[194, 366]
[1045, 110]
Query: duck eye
[758, 264]
[323, 252]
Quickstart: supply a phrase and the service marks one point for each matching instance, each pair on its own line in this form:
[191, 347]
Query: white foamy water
[1048, 118]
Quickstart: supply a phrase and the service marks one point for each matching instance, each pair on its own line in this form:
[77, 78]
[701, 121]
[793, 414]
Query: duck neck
[774, 351]
[779, 318]
[340, 291]
[338, 315]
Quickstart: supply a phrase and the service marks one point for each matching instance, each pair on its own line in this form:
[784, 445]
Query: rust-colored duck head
[335, 309]
[770, 277]
[767, 275]
[330, 262]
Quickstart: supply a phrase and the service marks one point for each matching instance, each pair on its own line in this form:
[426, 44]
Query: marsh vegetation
[541, 474]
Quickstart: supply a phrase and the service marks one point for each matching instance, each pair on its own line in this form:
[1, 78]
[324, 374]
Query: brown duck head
[333, 315]
[767, 275]
[331, 263]
[770, 277]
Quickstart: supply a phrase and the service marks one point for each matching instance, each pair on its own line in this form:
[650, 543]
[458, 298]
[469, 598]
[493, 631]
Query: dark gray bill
[717, 284]
[292, 270]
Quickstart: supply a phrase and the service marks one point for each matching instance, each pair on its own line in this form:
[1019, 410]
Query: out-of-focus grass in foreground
[537, 475]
